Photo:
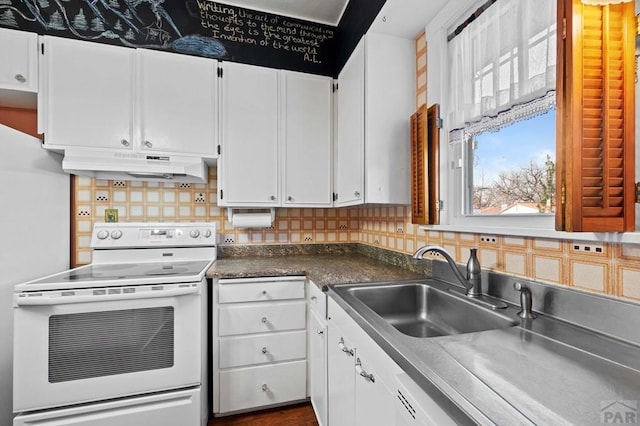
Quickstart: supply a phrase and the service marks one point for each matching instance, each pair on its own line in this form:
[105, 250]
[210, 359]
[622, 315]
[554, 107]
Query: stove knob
[116, 234]
[207, 233]
[194, 233]
[102, 234]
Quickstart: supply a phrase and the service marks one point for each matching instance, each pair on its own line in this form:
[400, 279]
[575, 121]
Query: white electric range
[121, 341]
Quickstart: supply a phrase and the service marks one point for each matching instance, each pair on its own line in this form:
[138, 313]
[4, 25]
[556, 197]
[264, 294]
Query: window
[512, 170]
[501, 112]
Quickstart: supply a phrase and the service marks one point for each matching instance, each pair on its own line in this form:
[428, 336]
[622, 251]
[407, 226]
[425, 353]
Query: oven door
[86, 345]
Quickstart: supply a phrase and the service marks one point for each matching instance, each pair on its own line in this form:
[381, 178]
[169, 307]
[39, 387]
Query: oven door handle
[46, 300]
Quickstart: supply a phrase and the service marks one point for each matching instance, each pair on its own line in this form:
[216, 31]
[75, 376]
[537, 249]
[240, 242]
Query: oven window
[97, 344]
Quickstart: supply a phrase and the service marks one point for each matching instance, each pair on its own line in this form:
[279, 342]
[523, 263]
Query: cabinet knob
[20, 78]
[289, 198]
[272, 198]
[265, 388]
[148, 144]
[356, 194]
[362, 373]
[264, 292]
[264, 320]
[314, 299]
[124, 142]
[343, 348]
[264, 350]
[320, 332]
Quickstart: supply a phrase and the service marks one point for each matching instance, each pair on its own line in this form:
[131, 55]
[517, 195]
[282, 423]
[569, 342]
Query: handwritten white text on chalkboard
[237, 25]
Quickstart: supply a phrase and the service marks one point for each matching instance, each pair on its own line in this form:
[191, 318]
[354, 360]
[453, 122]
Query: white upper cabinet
[306, 140]
[177, 102]
[18, 68]
[276, 138]
[249, 157]
[114, 98]
[350, 145]
[375, 102]
[87, 95]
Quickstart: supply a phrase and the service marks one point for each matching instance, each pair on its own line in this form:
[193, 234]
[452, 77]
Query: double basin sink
[419, 309]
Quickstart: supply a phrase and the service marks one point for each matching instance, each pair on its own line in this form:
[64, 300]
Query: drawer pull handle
[264, 350]
[264, 320]
[343, 348]
[265, 388]
[362, 373]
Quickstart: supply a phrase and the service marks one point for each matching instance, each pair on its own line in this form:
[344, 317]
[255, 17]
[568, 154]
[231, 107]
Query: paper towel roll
[251, 220]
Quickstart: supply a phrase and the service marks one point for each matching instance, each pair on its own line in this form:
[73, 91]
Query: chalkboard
[194, 27]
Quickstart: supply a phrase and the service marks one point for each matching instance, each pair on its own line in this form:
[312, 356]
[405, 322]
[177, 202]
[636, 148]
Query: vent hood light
[127, 166]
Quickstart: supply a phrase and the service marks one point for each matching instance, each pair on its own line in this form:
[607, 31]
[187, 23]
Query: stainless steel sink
[420, 310]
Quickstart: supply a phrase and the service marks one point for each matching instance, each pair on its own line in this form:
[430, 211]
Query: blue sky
[515, 146]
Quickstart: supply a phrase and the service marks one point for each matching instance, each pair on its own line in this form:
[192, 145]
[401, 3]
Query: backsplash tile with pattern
[612, 269]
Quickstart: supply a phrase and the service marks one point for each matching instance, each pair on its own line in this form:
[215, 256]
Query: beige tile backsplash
[612, 269]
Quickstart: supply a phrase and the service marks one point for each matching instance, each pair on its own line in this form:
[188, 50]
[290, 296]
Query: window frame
[454, 175]
[450, 175]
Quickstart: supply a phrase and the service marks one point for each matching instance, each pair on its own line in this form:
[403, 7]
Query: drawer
[261, 317]
[264, 348]
[317, 300]
[244, 388]
[260, 289]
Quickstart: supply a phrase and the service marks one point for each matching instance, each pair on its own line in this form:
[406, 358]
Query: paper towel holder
[230, 213]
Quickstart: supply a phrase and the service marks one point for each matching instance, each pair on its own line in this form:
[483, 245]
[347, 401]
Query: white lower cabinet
[366, 387]
[264, 385]
[259, 343]
[317, 358]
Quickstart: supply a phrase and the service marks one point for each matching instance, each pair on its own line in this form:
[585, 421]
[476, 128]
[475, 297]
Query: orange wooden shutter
[596, 115]
[419, 165]
[425, 145]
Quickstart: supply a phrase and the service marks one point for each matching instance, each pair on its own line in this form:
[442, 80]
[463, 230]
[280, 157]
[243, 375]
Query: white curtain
[505, 58]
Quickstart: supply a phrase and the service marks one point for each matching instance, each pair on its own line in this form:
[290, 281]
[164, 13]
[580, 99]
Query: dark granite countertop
[322, 263]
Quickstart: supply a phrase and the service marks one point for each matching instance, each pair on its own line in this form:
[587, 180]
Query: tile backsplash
[175, 202]
[606, 268]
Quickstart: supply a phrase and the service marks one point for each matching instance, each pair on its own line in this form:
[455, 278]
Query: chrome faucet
[472, 283]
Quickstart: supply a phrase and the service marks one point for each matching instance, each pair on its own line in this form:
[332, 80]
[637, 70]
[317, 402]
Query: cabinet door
[350, 144]
[341, 378]
[88, 99]
[318, 367]
[18, 68]
[177, 97]
[375, 402]
[389, 104]
[306, 139]
[249, 157]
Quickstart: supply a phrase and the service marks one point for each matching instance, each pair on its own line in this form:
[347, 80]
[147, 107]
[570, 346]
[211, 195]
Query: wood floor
[293, 415]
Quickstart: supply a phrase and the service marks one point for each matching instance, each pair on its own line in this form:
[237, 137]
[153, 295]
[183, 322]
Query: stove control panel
[148, 235]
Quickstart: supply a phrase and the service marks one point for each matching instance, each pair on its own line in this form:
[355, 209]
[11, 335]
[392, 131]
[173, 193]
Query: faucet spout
[472, 282]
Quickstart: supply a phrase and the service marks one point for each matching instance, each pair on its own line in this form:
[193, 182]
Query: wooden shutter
[425, 145]
[596, 115]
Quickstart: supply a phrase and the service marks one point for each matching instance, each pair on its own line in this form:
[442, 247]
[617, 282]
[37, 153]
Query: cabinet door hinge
[335, 87]
[440, 206]
[335, 196]
[221, 194]
[563, 194]
[439, 123]
[219, 150]
[42, 48]
[220, 72]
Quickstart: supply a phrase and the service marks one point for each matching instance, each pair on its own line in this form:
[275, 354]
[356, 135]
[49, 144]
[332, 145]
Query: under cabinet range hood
[107, 165]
